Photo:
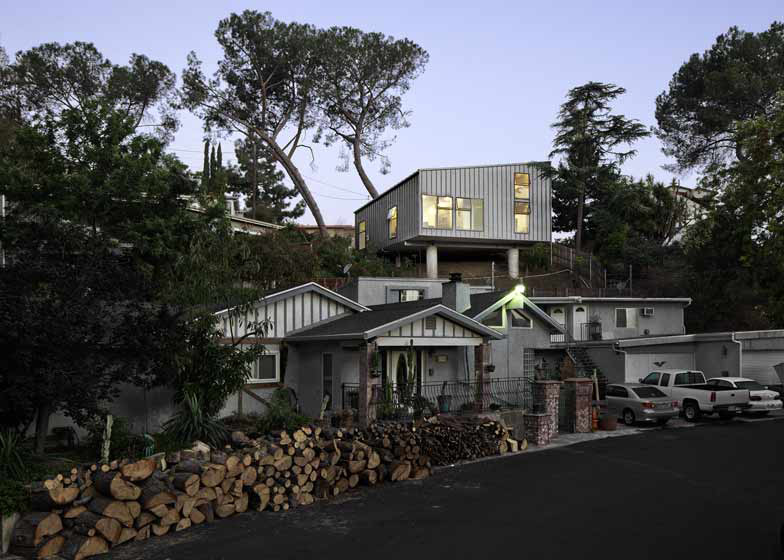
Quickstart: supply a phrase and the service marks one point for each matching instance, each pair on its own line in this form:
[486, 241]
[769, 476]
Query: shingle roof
[481, 301]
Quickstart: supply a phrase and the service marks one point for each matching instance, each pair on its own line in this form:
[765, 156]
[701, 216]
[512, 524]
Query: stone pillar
[513, 263]
[546, 397]
[481, 359]
[432, 261]
[367, 413]
[580, 390]
[537, 428]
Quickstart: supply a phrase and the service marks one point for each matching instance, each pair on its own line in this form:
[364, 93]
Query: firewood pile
[91, 509]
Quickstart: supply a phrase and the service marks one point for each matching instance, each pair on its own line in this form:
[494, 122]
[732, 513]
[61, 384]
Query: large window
[392, 222]
[266, 368]
[362, 235]
[522, 202]
[436, 211]
[397, 295]
[626, 318]
[469, 214]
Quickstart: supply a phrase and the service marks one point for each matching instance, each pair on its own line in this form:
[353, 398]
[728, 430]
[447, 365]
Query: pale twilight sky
[497, 74]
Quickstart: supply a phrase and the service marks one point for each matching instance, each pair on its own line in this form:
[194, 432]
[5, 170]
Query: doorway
[398, 370]
[579, 322]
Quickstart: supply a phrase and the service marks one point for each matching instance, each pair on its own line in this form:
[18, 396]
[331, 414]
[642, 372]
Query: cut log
[260, 497]
[89, 524]
[249, 476]
[160, 510]
[74, 512]
[353, 480]
[185, 504]
[356, 466]
[139, 470]
[127, 534]
[368, 477]
[134, 508]
[51, 546]
[241, 503]
[159, 530]
[155, 492]
[112, 485]
[182, 524]
[224, 510]
[374, 460]
[187, 482]
[33, 528]
[171, 518]
[46, 497]
[213, 475]
[399, 470]
[190, 465]
[79, 546]
[143, 533]
[144, 519]
[207, 494]
[208, 512]
[196, 516]
[111, 508]
[284, 463]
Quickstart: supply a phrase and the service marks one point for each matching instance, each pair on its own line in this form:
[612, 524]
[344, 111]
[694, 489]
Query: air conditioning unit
[646, 311]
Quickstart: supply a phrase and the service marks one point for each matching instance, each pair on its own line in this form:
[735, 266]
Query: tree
[364, 76]
[257, 177]
[264, 87]
[736, 80]
[591, 140]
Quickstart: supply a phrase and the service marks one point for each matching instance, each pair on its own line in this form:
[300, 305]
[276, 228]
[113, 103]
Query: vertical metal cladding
[494, 184]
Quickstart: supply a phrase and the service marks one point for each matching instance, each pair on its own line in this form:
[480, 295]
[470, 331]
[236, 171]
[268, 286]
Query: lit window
[406, 295]
[522, 186]
[436, 211]
[362, 235]
[469, 214]
[522, 211]
[519, 319]
[266, 368]
[392, 222]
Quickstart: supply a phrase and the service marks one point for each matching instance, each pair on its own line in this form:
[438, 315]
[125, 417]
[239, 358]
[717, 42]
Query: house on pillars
[456, 218]
[321, 344]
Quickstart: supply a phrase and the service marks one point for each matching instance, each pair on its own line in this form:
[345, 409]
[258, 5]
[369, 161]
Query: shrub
[191, 422]
[14, 497]
[124, 443]
[280, 414]
[12, 466]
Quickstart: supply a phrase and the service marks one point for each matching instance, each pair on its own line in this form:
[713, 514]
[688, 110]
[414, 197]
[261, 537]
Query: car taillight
[756, 398]
[674, 404]
[648, 405]
[713, 396]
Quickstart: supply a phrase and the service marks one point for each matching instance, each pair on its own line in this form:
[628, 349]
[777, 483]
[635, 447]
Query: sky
[497, 74]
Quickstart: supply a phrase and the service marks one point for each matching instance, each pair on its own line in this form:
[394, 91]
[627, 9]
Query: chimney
[456, 293]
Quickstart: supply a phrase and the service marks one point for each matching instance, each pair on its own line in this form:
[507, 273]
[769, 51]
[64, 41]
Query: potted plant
[595, 328]
[444, 400]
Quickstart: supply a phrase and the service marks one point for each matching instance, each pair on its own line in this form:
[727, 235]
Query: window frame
[656, 382]
[502, 309]
[362, 235]
[633, 314]
[439, 208]
[473, 210]
[255, 368]
[390, 220]
[521, 202]
[522, 311]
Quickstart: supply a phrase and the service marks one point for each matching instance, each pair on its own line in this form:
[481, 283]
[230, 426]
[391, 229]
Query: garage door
[640, 365]
[758, 365]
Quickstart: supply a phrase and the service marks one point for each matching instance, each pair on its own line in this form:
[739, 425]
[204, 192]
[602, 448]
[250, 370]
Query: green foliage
[192, 422]
[280, 415]
[593, 143]
[12, 466]
[734, 81]
[14, 497]
[123, 442]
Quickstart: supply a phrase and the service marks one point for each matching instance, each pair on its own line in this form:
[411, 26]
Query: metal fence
[399, 402]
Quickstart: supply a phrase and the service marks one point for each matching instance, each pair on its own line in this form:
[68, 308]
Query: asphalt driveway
[713, 491]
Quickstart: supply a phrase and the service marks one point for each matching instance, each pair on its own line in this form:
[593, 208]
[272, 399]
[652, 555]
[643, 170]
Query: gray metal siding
[495, 186]
[405, 198]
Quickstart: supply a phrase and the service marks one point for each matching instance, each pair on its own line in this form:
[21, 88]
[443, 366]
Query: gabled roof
[484, 304]
[383, 318]
[277, 295]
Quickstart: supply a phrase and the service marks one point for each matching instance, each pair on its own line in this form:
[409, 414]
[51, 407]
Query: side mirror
[640, 380]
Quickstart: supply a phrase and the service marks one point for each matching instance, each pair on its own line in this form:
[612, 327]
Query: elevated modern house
[460, 211]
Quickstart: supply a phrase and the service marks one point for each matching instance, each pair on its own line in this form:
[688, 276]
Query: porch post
[432, 261]
[513, 262]
[366, 413]
[481, 355]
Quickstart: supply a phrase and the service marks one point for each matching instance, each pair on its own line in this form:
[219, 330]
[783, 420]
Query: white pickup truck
[695, 397]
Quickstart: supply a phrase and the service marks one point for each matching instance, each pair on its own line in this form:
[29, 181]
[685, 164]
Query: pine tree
[205, 168]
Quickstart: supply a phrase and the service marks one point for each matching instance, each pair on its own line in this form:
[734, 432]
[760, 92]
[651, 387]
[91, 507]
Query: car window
[750, 385]
[714, 382]
[616, 391]
[688, 378]
[723, 383]
[652, 378]
[648, 392]
[665, 380]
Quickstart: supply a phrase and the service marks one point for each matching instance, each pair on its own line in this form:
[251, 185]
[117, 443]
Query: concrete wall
[611, 363]
[717, 359]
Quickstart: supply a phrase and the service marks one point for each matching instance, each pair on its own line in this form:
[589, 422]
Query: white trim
[255, 368]
[308, 287]
[403, 341]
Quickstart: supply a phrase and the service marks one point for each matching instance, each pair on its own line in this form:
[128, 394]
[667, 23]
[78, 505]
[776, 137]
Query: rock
[239, 438]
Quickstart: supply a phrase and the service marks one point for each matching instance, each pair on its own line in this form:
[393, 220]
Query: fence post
[630, 280]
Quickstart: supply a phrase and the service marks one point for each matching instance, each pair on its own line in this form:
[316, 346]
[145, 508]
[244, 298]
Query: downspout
[618, 350]
[683, 326]
[740, 353]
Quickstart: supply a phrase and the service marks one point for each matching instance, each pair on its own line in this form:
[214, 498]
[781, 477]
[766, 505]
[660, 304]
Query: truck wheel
[628, 417]
[691, 411]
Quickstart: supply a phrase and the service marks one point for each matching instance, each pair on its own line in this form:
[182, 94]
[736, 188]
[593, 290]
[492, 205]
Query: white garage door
[640, 365]
[758, 365]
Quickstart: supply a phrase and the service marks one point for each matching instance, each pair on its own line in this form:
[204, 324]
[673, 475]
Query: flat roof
[581, 299]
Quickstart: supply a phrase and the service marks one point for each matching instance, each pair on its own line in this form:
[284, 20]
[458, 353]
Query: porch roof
[382, 318]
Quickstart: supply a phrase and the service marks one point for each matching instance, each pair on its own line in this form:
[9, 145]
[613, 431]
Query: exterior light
[519, 288]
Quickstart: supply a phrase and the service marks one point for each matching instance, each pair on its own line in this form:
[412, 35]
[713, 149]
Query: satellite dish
[346, 268]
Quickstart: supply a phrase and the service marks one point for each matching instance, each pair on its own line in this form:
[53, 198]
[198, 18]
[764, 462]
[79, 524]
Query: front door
[580, 322]
[399, 369]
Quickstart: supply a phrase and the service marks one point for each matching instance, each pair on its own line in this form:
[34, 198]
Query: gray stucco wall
[305, 363]
[611, 363]
[710, 358]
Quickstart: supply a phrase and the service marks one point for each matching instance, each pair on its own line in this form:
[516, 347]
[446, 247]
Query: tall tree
[593, 143]
[257, 177]
[734, 81]
[205, 168]
[364, 76]
[264, 87]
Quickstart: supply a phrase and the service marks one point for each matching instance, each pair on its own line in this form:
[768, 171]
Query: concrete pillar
[481, 358]
[579, 390]
[513, 263]
[432, 261]
[366, 412]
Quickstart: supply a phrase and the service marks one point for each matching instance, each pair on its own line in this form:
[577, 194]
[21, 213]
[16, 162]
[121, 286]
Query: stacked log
[96, 507]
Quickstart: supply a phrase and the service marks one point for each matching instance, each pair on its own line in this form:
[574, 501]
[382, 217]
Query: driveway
[713, 491]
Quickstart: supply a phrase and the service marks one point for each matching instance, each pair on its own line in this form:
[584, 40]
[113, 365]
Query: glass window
[409, 295]
[326, 371]
[750, 385]
[522, 211]
[651, 379]
[519, 319]
[616, 391]
[266, 368]
[429, 210]
[522, 186]
[392, 222]
[444, 218]
[626, 318]
[362, 235]
[648, 392]
[665, 380]
[469, 214]
[688, 378]
[495, 319]
[430, 323]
